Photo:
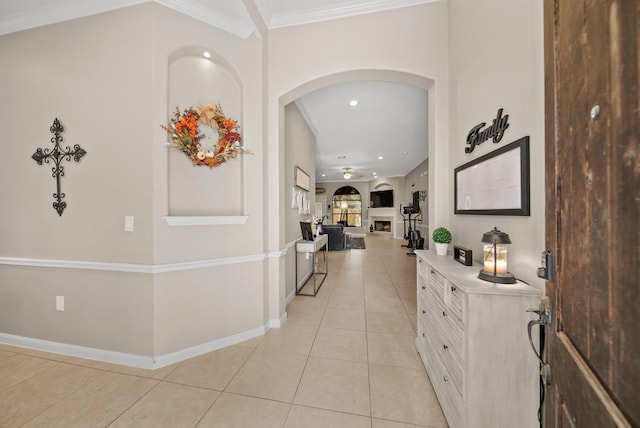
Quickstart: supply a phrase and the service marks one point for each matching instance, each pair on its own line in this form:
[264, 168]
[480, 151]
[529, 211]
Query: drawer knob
[445, 347]
[445, 378]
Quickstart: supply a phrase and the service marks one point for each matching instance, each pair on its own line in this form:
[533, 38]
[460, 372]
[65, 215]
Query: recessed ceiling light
[353, 103]
[380, 158]
[324, 175]
[206, 54]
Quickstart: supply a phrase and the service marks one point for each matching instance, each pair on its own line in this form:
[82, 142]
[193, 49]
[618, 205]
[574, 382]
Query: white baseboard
[302, 282]
[278, 322]
[214, 345]
[132, 360]
[291, 296]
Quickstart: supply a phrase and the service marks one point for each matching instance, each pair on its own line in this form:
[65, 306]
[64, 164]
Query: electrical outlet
[128, 223]
[59, 303]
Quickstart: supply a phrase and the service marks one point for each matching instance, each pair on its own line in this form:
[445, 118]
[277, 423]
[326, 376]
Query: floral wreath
[185, 135]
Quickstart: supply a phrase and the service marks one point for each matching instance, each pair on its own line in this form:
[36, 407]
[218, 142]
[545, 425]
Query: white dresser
[472, 338]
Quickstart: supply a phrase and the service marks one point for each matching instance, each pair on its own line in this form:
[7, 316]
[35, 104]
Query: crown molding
[210, 16]
[64, 11]
[59, 12]
[323, 13]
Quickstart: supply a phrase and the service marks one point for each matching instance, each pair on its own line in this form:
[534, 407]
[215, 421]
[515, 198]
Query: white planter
[441, 249]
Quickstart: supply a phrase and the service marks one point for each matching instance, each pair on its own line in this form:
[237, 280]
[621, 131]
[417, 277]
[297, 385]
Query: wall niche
[200, 190]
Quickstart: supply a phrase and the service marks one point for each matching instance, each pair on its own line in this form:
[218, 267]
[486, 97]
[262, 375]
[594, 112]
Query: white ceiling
[390, 119]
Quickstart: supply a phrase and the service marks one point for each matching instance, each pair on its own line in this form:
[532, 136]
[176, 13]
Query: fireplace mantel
[383, 214]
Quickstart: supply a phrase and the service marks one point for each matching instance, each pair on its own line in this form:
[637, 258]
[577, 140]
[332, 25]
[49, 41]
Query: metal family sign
[477, 135]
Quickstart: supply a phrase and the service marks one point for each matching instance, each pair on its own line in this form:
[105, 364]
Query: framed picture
[496, 183]
[301, 179]
[307, 231]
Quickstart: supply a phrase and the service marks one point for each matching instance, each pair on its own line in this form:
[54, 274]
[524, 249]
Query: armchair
[337, 237]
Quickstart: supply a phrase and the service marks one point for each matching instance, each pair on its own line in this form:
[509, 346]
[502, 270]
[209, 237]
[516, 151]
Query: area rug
[357, 244]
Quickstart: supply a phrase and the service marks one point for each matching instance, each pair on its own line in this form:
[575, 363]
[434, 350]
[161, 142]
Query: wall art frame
[497, 183]
[301, 179]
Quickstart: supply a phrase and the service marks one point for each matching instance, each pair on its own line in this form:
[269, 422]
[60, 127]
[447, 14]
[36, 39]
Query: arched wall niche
[383, 186]
[201, 191]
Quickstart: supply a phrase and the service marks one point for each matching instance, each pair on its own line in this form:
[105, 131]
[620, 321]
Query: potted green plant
[442, 237]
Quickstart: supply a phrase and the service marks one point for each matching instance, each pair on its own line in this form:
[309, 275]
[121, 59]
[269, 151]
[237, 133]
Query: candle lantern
[495, 258]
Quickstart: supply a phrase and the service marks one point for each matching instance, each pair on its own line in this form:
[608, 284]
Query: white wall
[213, 289]
[129, 296]
[496, 61]
[300, 151]
[94, 75]
[166, 290]
[408, 45]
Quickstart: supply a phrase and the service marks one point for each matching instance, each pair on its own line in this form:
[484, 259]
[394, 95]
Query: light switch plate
[128, 223]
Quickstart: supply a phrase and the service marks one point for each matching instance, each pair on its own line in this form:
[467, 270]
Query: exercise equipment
[414, 240]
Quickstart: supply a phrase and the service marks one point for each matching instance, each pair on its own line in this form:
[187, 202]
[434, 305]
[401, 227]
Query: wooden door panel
[583, 180]
[625, 230]
[579, 386]
[573, 305]
[593, 210]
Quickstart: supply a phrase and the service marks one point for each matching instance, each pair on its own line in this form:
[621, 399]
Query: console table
[312, 247]
[472, 338]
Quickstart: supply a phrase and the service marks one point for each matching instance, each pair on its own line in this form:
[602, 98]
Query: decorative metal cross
[58, 155]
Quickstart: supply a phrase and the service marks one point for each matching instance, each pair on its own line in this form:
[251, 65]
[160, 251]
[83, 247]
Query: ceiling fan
[348, 173]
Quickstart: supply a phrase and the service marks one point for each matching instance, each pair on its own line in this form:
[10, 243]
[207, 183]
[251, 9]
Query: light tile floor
[345, 358]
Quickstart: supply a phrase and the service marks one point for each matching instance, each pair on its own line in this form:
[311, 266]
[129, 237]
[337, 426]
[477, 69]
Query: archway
[278, 198]
[417, 81]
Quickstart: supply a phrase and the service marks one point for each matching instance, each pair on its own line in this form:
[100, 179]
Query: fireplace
[382, 226]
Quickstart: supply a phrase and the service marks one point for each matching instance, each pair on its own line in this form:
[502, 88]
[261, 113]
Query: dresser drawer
[447, 293]
[422, 287]
[450, 401]
[436, 282]
[423, 323]
[439, 318]
[453, 300]
[449, 359]
[421, 270]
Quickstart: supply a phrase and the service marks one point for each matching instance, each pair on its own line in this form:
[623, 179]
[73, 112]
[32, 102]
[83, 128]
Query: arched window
[347, 207]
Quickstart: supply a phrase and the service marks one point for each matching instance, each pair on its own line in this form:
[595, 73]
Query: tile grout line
[315, 337]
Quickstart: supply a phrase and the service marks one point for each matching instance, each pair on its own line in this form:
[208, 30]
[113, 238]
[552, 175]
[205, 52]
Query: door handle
[543, 311]
[544, 318]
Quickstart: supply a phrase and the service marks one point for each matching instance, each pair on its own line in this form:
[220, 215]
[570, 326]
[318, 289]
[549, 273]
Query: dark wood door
[592, 211]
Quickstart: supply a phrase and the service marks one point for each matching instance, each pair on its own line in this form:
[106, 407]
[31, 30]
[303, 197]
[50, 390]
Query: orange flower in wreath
[185, 135]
